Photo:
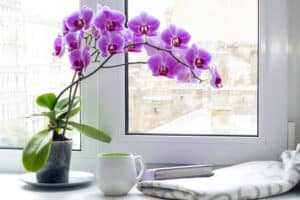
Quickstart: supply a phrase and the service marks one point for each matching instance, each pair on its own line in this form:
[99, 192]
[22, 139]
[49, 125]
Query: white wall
[294, 64]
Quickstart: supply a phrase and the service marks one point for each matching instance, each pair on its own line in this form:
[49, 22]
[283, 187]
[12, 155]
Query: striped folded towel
[252, 180]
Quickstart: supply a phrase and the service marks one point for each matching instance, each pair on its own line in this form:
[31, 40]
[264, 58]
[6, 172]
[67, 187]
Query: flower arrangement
[87, 36]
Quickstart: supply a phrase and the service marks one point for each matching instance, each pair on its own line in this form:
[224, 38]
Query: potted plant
[87, 37]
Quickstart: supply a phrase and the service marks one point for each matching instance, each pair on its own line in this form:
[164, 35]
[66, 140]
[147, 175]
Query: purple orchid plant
[86, 37]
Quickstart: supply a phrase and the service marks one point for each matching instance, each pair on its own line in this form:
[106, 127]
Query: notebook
[186, 171]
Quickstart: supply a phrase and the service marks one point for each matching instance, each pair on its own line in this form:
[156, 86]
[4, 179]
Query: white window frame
[105, 94]
[219, 150]
[85, 159]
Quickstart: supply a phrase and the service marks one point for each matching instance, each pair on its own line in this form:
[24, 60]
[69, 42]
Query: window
[27, 69]
[104, 95]
[27, 31]
[214, 147]
[163, 106]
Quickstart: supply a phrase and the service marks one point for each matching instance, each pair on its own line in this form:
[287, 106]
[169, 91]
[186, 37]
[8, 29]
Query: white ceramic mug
[117, 173]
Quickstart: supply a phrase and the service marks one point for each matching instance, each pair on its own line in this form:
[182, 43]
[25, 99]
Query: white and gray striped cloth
[252, 180]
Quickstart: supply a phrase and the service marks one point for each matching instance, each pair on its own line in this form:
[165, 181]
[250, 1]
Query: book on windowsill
[187, 171]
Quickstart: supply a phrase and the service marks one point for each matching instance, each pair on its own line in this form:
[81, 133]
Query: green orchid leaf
[91, 132]
[72, 113]
[62, 105]
[37, 150]
[43, 114]
[61, 124]
[50, 115]
[46, 100]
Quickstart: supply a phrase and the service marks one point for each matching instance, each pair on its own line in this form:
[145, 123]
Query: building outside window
[27, 69]
[163, 106]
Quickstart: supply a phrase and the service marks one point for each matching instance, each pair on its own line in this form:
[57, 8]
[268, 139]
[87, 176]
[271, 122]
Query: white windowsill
[13, 188]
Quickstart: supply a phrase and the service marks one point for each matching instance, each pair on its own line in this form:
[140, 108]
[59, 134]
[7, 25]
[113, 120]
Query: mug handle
[142, 167]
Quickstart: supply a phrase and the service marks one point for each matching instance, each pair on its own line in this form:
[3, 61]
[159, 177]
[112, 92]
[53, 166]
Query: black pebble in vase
[57, 167]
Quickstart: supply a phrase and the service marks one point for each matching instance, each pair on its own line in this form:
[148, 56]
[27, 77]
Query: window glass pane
[27, 67]
[229, 30]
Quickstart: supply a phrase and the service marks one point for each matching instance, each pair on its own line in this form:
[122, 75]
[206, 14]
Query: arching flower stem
[102, 65]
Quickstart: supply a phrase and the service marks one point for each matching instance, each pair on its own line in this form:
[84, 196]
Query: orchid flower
[73, 40]
[59, 47]
[132, 42]
[80, 59]
[175, 37]
[109, 20]
[112, 44]
[216, 80]
[163, 65]
[198, 58]
[79, 20]
[144, 24]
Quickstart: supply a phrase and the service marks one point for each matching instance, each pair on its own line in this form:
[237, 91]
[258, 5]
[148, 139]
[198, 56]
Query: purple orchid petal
[79, 20]
[130, 40]
[179, 53]
[87, 16]
[184, 75]
[198, 58]
[144, 25]
[80, 36]
[190, 55]
[117, 39]
[116, 43]
[96, 34]
[112, 44]
[163, 65]
[205, 55]
[102, 45]
[59, 47]
[155, 41]
[172, 65]
[65, 28]
[104, 33]
[143, 18]
[153, 24]
[86, 57]
[74, 22]
[154, 62]
[134, 25]
[183, 35]
[76, 61]
[118, 17]
[216, 80]
[167, 35]
[73, 41]
[74, 55]
[109, 20]
[174, 37]
[80, 59]
[136, 40]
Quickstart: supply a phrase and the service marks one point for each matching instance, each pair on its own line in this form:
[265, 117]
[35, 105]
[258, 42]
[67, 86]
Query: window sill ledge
[13, 188]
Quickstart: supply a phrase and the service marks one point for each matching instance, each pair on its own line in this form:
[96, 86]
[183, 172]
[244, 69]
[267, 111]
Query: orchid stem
[74, 76]
[96, 51]
[80, 79]
[119, 65]
[70, 107]
[123, 64]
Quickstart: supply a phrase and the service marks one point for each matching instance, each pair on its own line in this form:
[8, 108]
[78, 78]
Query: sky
[225, 20]
[53, 9]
